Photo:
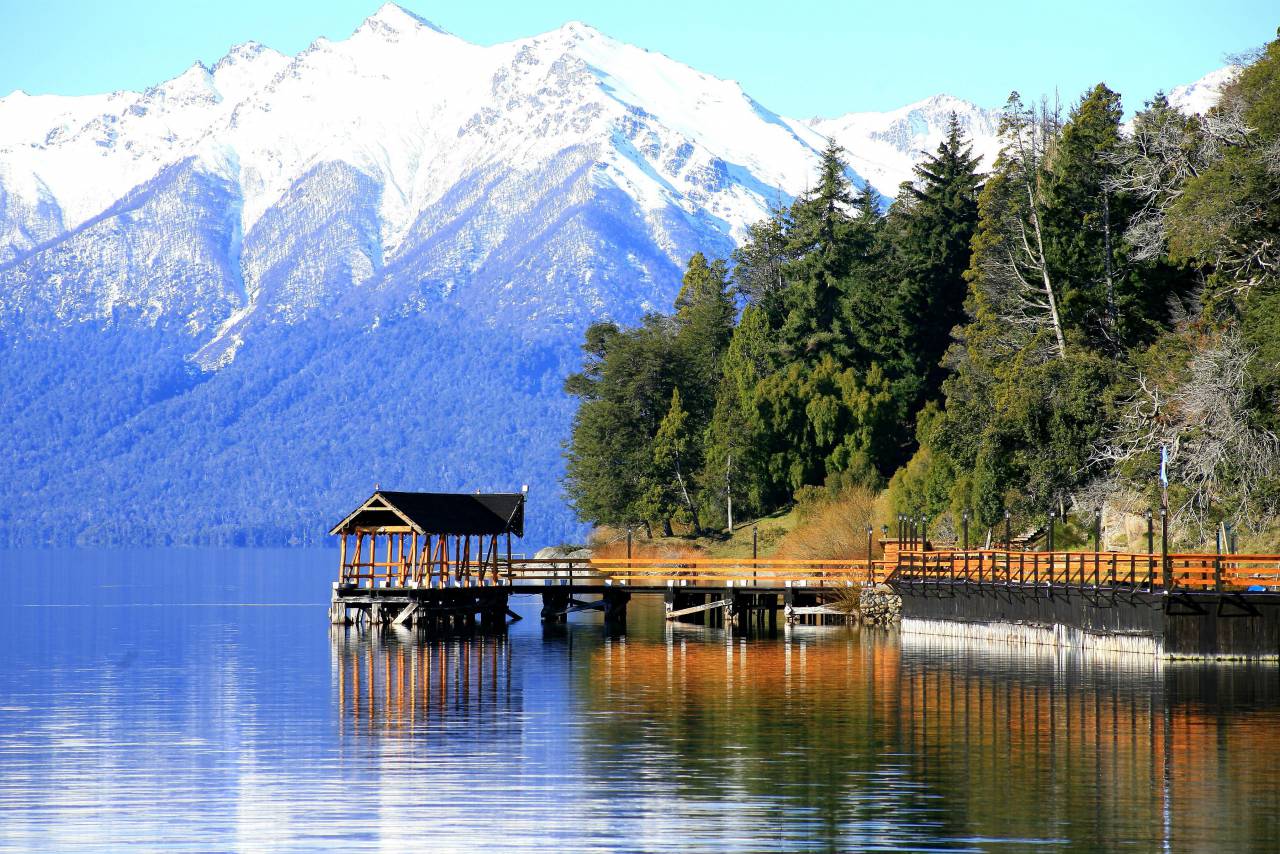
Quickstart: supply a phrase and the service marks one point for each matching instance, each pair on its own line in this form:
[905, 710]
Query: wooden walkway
[1188, 572]
[717, 591]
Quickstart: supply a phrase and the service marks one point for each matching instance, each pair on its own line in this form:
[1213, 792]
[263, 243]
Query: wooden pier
[445, 562]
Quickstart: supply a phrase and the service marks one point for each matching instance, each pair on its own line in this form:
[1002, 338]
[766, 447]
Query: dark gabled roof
[440, 513]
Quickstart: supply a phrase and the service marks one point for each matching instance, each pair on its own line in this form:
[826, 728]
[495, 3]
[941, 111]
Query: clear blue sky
[798, 57]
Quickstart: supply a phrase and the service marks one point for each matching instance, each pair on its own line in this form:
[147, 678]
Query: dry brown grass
[834, 528]
[608, 543]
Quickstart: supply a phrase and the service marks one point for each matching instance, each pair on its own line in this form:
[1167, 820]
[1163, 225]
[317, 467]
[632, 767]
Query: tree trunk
[1044, 274]
[693, 512]
[1110, 277]
[728, 491]
[666, 527]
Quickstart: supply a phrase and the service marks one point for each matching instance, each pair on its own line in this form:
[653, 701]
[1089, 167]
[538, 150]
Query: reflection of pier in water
[1095, 746]
[404, 681]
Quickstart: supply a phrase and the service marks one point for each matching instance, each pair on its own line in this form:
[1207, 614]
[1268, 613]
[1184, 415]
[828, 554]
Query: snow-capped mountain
[1199, 97]
[883, 147]
[232, 302]
[433, 164]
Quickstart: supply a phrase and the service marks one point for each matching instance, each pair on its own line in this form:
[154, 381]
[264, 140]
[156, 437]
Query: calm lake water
[198, 700]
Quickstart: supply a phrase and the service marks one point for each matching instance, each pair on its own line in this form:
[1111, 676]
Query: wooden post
[466, 561]
[443, 548]
[869, 530]
[400, 570]
[355, 558]
[342, 560]
[1165, 568]
[413, 557]
[1151, 550]
[1217, 560]
[455, 569]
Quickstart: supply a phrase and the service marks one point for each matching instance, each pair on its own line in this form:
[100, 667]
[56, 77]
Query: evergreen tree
[819, 238]
[704, 324]
[759, 264]
[1084, 218]
[624, 391]
[736, 442]
[934, 254]
[672, 446]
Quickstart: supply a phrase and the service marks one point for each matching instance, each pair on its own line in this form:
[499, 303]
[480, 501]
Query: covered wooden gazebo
[429, 539]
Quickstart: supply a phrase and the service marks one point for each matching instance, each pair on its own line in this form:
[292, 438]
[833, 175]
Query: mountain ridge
[280, 278]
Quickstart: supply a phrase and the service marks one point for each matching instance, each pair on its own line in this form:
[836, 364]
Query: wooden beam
[575, 606]
[719, 603]
[816, 609]
[405, 614]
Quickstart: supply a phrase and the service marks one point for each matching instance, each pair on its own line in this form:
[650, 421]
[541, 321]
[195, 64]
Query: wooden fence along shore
[443, 561]
[1130, 570]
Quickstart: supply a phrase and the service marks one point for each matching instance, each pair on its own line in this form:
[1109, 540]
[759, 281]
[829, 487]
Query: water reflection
[838, 738]
[165, 716]
[395, 682]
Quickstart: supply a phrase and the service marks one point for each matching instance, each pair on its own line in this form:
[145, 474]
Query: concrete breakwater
[1201, 625]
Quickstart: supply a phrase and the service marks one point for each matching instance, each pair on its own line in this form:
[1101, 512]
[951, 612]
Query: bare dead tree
[1015, 270]
[1216, 451]
[1166, 150]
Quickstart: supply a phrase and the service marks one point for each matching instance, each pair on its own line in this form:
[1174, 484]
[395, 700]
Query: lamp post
[1008, 530]
[965, 528]
[1053, 514]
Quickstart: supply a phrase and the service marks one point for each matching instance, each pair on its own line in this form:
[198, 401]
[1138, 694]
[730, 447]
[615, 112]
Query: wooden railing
[695, 571]
[1093, 569]
[1131, 570]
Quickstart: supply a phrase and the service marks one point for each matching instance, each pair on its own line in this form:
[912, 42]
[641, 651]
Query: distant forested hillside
[1032, 337]
[279, 444]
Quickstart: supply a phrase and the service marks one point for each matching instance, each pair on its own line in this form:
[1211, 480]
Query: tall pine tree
[934, 253]
[819, 238]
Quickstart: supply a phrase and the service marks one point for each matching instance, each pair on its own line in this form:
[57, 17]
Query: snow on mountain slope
[884, 147]
[1199, 97]
[409, 104]
[415, 117]
[284, 278]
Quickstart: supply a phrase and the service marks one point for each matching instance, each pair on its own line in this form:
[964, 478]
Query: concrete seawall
[1199, 625]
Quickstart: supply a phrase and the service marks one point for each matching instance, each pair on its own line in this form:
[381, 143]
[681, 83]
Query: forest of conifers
[1032, 337]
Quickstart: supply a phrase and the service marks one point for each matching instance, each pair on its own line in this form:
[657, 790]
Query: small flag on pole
[1164, 466]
